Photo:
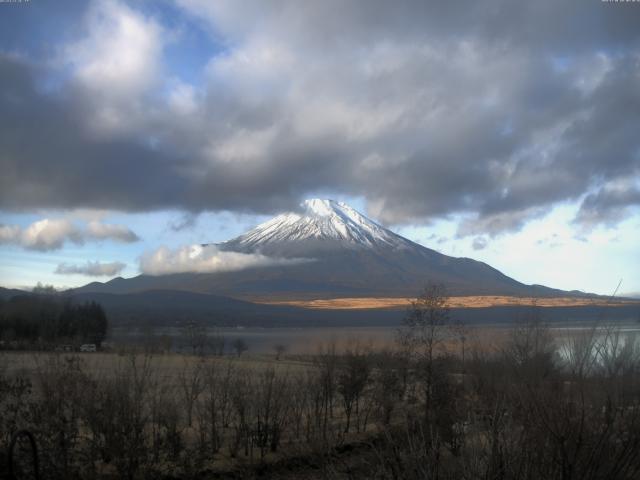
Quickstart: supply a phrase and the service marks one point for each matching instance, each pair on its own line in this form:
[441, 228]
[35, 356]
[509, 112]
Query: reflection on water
[605, 346]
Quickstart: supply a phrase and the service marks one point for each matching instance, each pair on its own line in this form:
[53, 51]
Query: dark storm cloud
[498, 110]
[608, 205]
[50, 158]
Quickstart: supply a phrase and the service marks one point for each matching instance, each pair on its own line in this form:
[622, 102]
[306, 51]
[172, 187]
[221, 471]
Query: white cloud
[182, 99]
[9, 233]
[116, 62]
[204, 259]
[51, 234]
[244, 145]
[91, 269]
[102, 231]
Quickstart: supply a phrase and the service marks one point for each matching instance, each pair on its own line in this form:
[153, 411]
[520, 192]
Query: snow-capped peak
[319, 220]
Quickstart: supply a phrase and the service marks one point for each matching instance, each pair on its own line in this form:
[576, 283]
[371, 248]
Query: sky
[502, 131]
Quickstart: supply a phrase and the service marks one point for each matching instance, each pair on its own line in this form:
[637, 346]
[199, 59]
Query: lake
[310, 339]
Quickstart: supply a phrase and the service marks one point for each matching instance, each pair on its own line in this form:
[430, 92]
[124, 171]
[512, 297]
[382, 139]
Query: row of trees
[196, 338]
[51, 318]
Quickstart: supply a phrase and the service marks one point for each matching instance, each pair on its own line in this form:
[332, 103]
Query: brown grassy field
[169, 365]
[332, 414]
[454, 302]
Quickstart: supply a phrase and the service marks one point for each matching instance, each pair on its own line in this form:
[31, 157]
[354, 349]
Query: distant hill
[177, 308]
[7, 293]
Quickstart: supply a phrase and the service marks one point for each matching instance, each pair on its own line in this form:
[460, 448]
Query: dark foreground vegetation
[43, 319]
[440, 406]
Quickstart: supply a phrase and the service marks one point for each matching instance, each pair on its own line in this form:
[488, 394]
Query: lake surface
[311, 339]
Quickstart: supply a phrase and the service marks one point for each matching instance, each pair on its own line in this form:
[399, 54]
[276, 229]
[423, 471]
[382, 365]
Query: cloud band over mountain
[206, 259]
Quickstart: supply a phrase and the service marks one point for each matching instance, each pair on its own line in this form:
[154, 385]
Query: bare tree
[191, 385]
[197, 337]
[424, 332]
[531, 348]
[353, 376]
[271, 409]
[280, 350]
[240, 397]
[461, 332]
[578, 351]
[213, 410]
[327, 364]
[239, 346]
[389, 384]
[618, 352]
[217, 342]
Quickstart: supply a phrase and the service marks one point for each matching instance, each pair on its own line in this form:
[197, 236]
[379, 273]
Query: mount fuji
[322, 225]
[343, 254]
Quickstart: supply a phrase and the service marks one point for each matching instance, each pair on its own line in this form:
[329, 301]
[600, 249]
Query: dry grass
[170, 366]
[454, 302]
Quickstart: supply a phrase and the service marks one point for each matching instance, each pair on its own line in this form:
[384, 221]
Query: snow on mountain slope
[319, 220]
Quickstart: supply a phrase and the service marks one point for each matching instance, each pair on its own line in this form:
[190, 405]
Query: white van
[88, 347]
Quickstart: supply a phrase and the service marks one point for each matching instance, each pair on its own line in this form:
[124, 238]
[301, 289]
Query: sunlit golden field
[475, 301]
